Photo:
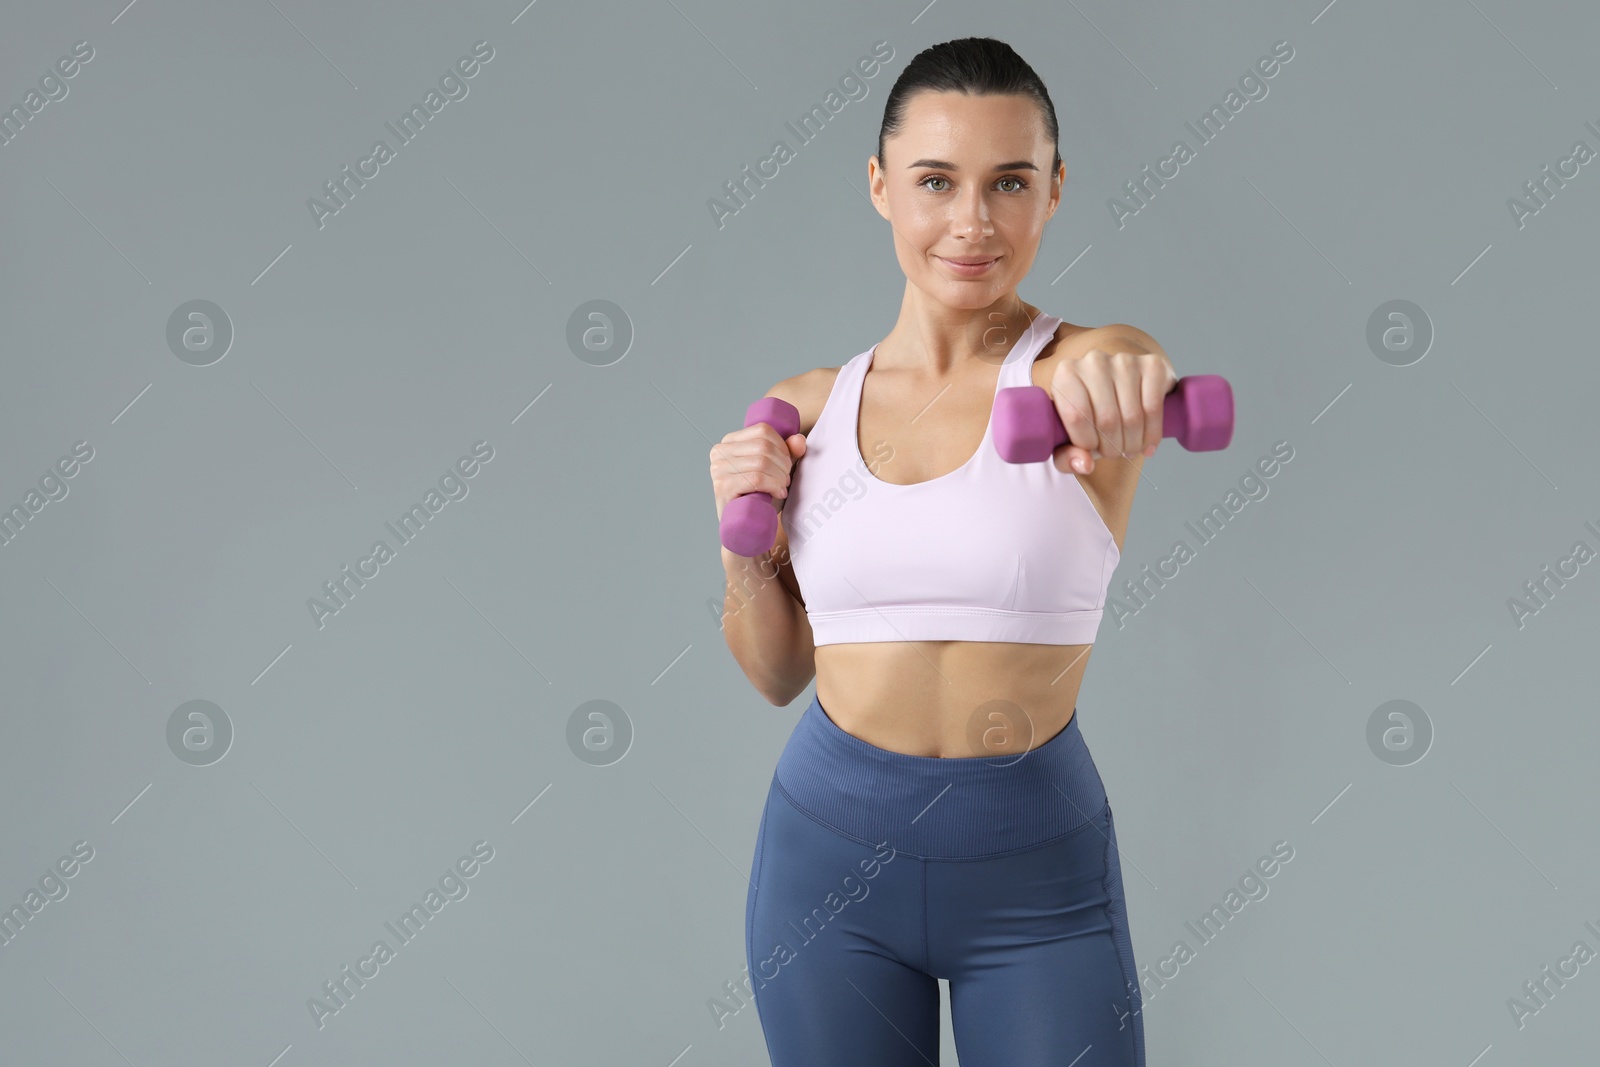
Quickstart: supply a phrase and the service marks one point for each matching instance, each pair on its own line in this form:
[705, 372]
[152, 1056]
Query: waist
[939, 808]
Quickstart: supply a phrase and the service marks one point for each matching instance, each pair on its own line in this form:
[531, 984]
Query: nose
[970, 218]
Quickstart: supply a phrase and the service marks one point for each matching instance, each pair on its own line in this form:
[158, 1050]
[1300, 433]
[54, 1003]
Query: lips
[969, 267]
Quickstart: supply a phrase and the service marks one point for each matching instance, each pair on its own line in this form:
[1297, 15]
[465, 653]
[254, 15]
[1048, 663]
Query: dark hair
[974, 65]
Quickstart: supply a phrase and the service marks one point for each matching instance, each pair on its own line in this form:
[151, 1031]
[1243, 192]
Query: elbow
[775, 687]
[780, 693]
[779, 666]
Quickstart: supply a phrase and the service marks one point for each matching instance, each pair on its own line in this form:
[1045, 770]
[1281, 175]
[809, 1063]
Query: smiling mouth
[969, 268]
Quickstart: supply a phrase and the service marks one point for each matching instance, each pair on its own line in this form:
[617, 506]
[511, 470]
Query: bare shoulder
[808, 392]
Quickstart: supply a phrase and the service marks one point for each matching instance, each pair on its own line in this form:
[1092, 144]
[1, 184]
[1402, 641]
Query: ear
[875, 186]
[1058, 181]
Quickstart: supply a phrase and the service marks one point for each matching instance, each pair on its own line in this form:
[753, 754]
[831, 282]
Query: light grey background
[434, 710]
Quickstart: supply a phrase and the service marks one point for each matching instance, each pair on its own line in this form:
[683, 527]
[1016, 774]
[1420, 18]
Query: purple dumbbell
[749, 521]
[1198, 412]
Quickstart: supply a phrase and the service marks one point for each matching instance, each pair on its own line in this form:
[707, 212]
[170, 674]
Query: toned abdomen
[950, 698]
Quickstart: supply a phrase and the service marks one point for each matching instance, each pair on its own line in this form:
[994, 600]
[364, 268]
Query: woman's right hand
[753, 459]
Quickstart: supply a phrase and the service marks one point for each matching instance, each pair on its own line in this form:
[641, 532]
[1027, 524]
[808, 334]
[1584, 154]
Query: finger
[747, 459]
[790, 449]
[1095, 370]
[1153, 385]
[770, 454]
[1070, 395]
[748, 472]
[1130, 405]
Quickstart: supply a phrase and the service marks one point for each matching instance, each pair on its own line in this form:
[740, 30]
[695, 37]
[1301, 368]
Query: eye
[1020, 184]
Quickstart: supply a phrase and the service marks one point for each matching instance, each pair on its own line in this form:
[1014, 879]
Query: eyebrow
[940, 164]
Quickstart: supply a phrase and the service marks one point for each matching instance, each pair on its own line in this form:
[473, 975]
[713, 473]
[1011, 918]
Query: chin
[972, 292]
[961, 297]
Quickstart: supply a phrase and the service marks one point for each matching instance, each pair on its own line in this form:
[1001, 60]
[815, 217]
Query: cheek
[1023, 222]
[915, 238]
[920, 223]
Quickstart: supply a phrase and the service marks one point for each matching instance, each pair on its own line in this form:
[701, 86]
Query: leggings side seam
[926, 965]
[1122, 964]
[755, 888]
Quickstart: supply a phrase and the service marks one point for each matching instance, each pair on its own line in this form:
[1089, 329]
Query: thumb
[1074, 458]
[797, 444]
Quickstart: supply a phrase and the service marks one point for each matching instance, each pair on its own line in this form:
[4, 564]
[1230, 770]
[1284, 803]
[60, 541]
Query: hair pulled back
[972, 65]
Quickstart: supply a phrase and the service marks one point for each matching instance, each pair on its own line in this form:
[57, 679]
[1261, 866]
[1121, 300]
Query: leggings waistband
[967, 807]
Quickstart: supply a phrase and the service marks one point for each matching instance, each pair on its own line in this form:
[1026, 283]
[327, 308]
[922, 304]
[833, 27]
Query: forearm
[765, 627]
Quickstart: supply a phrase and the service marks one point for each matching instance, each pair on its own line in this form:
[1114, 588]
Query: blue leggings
[877, 873]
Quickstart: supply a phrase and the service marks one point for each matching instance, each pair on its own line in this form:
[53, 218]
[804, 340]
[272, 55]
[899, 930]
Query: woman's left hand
[1110, 399]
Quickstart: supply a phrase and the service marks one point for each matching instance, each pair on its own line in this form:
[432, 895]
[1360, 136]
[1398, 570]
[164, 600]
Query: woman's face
[966, 187]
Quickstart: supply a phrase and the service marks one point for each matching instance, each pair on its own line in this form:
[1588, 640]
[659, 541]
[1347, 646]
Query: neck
[943, 341]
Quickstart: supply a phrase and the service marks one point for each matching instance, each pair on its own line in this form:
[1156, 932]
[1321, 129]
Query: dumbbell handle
[1198, 412]
[749, 521]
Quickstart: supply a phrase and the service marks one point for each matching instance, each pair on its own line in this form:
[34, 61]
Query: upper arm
[808, 392]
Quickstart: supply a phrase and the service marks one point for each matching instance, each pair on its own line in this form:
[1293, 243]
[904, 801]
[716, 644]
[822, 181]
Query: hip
[935, 807]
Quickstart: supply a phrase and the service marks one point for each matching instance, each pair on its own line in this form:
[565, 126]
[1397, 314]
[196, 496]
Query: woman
[936, 812]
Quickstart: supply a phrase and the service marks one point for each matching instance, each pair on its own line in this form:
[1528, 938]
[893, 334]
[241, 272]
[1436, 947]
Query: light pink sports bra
[992, 551]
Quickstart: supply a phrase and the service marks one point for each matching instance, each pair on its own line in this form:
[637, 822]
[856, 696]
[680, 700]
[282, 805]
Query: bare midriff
[950, 698]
